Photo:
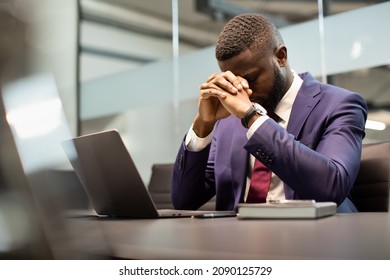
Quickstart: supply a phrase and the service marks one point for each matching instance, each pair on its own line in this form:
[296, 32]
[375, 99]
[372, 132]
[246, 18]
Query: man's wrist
[201, 128]
[252, 114]
[253, 119]
[194, 143]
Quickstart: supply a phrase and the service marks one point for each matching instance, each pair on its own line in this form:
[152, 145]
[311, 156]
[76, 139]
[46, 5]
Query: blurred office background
[136, 65]
[141, 62]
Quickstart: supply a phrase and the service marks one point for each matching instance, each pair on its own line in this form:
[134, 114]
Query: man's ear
[281, 55]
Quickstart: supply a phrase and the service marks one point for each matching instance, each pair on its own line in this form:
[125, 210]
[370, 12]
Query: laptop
[111, 179]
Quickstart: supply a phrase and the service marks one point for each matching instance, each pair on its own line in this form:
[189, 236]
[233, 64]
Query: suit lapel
[307, 98]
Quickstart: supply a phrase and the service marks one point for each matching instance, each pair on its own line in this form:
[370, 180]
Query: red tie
[261, 178]
[259, 185]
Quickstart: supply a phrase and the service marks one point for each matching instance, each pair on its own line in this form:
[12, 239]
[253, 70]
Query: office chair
[371, 189]
[160, 187]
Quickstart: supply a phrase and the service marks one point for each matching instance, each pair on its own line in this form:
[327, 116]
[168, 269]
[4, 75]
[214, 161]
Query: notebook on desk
[111, 179]
[287, 209]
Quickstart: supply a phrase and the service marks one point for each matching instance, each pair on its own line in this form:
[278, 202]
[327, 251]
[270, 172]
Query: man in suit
[309, 134]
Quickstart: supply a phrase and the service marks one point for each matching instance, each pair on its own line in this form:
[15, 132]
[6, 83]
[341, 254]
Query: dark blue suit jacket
[317, 157]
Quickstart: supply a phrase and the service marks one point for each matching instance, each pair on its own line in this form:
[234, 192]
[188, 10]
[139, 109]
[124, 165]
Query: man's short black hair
[247, 31]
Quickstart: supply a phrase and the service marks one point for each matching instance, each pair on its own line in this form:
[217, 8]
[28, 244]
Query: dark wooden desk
[343, 236]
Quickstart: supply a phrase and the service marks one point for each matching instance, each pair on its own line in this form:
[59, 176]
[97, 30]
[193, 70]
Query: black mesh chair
[371, 189]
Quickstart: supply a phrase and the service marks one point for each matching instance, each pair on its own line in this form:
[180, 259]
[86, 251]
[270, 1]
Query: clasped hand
[222, 95]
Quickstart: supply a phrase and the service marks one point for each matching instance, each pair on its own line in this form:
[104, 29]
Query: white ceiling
[201, 28]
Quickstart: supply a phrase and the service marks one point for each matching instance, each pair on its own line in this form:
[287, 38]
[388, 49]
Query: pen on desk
[292, 201]
[215, 215]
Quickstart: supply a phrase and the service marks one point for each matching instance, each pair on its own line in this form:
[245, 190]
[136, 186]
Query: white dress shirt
[283, 110]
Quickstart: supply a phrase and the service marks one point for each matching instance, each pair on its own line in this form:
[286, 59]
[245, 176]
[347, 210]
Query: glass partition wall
[141, 62]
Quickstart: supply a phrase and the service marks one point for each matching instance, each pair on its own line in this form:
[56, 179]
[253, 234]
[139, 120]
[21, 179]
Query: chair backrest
[160, 187]
[371, 189]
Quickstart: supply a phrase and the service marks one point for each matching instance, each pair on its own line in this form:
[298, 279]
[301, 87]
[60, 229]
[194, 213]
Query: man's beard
[277, 91]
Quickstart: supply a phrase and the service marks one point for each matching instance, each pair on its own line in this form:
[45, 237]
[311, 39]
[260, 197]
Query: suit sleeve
[193, 178]
[322, 163]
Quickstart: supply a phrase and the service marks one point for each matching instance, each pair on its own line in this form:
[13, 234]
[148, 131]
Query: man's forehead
[243, 64]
